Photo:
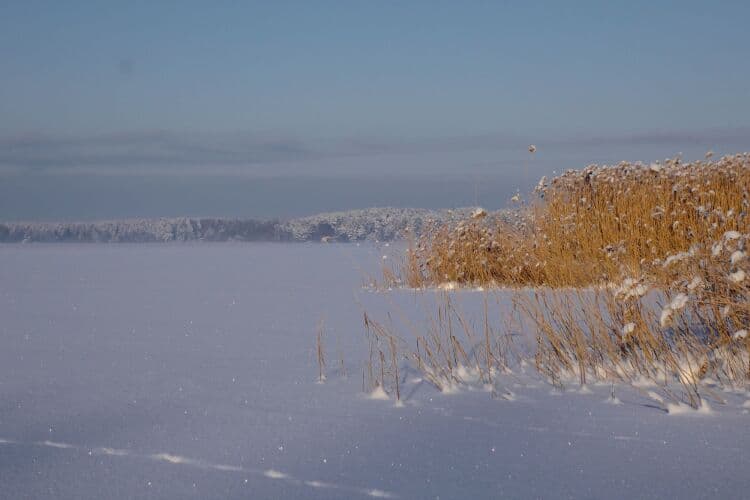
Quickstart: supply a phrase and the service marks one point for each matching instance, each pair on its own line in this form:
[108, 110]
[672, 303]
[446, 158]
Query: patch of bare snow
[274, 474]
[378, 394]
[737, 256]
[731, 235]
[737, 276]
[683, 409]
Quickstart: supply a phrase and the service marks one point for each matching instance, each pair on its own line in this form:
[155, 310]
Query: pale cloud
[147, 149]
[160, 151]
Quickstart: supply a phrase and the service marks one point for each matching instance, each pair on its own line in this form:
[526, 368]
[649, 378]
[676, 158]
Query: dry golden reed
[591, 226]
[631, 271]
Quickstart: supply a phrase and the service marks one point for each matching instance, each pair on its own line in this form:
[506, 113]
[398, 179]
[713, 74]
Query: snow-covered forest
[382, 224]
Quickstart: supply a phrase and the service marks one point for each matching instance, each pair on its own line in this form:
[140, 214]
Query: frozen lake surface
[189, 371]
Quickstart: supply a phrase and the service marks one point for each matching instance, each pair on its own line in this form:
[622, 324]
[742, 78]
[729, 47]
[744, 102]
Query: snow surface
[189, 371]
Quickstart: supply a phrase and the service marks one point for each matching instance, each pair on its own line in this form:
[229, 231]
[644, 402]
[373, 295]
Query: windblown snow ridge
[381, 224]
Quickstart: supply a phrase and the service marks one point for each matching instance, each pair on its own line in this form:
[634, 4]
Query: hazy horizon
[106, 195]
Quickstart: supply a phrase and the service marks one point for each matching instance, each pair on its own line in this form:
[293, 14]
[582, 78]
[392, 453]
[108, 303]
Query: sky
[181, 106]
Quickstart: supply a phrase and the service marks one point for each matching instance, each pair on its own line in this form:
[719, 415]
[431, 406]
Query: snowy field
[189, 371]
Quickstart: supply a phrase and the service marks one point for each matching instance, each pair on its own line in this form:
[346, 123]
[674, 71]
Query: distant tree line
[383, 224]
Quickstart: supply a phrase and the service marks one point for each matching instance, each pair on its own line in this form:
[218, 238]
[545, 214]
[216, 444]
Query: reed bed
[448, 351]
[638, 271]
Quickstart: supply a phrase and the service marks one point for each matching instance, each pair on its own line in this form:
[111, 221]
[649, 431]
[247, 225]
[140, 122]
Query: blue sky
[363, 88]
